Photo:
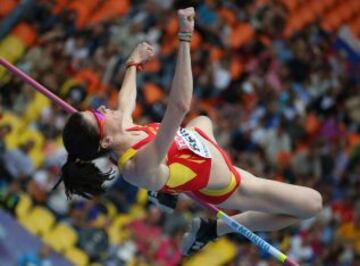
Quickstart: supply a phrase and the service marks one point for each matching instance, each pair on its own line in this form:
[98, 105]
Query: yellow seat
[50, 239]
[67, 85]
[116, 231]
[59, 142]
[141, 197]
[111, 209]
[36, 153]
[11, 49]
[61, 237]
[37, 157]
[17, 126]
[35, 108]
[137, 211]
[285, 243]
[77, 256]
[217, 253]
[34, 135]
[39, 221]
[23, 207]
[100, 221]
[9, 118]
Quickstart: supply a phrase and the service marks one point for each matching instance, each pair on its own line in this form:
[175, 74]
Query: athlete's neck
[126, 140]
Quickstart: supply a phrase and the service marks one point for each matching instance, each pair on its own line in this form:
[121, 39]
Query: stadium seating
[17, 125]
[11, 49]
[210, 256]
[35, 108]
[331, 15]
[24, 206]
[109, 10]
[39, 221]
[77, 256]
[117, 232]
[36, 154]
[61, 238]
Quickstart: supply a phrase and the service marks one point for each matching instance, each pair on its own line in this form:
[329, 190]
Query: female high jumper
[167, 158]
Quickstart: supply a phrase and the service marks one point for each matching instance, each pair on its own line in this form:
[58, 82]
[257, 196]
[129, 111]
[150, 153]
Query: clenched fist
[186, 19]
[142, 53]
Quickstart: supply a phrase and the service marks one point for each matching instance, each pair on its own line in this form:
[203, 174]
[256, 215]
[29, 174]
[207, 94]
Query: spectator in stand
[168, 252]
[252, 64]
[145, 230]
[18, 162]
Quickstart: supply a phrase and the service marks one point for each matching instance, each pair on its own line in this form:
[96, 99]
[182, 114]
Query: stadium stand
[279, 78]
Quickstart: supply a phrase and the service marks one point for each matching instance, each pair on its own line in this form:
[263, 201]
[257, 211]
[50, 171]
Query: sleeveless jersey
[189, 161]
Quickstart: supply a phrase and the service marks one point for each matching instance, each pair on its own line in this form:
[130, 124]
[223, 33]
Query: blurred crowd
[285, 107]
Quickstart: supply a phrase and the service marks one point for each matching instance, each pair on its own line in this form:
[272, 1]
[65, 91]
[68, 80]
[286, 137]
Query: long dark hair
[79, 174]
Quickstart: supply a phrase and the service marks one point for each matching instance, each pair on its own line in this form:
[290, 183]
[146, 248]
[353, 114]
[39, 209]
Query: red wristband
[138, 66]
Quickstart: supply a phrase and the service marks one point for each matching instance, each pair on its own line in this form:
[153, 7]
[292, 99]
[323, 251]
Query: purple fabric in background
[330, 129]
[15, 241]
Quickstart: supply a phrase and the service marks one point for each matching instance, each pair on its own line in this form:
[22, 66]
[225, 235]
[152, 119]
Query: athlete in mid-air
[166, 157]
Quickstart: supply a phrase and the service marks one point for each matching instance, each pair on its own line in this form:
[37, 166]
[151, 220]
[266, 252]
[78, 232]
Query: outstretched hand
[142, 53]
[186, 19]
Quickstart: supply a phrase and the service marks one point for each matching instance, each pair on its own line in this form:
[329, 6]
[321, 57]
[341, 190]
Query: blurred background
[279, 78]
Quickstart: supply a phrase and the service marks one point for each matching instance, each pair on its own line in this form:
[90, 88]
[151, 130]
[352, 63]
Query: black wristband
[185, 36]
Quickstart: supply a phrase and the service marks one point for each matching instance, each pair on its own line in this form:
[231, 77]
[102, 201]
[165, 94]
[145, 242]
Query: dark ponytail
[79, 174]
[83, 178]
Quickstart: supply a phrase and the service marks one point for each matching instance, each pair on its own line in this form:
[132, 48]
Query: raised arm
[147, 169]
[181, 88]
[127, 95]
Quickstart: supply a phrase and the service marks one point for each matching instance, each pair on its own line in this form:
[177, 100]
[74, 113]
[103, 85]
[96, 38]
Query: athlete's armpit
[140, 171]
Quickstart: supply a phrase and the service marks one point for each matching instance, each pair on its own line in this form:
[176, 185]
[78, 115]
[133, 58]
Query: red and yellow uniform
[189, 162]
